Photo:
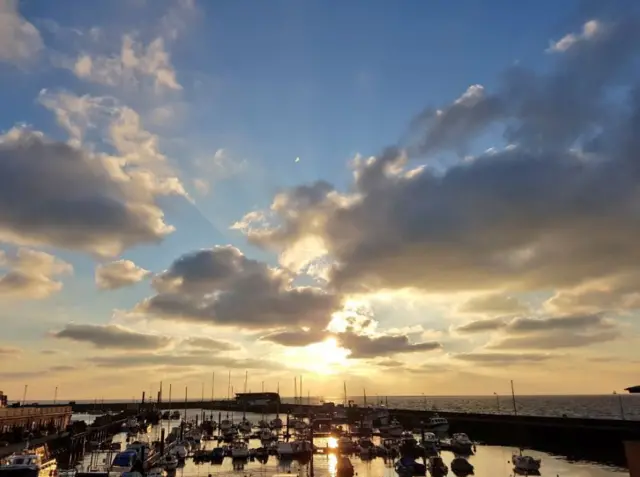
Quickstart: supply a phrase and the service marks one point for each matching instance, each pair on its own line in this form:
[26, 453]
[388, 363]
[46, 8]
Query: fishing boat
[28, 463]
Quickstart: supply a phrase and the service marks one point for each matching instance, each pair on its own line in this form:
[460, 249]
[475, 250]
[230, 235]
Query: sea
[606, 406]
[488, 461]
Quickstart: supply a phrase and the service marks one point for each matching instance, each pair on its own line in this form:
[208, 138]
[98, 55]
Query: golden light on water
[332, 442]
[333, 464]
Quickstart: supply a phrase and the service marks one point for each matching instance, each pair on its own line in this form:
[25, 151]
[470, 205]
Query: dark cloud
[360, 345]
[555, 341]
[54, 194]
[119, 274]
[221, 286]
[112, 336]
[211, 344]
[184, 361]
[502, 359]
[555, 208]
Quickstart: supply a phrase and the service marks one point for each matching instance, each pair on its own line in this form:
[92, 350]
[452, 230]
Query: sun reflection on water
[332, 443]
[333, 464]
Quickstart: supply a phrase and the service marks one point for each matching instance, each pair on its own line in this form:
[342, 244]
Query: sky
[419, 198]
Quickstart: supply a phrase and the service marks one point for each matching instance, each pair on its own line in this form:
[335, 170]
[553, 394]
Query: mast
[213, 382]
[344, 385]
[301, 389]
[513, 397]
[278, 406]
[185, 404]
[364, 395]
[55, 395]
[295, 390]
[170, 410]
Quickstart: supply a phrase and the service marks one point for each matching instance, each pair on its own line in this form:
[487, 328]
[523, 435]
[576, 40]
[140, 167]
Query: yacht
[225, 425]
[263, 424]
[437, 424]
[265, 435]
[276, 423]
[394, 429]
[299, 425]
[525, 463]
[285, 450]
[28, 464]
[239, 450]
[245, 427]
[460, 442]
[430, 442]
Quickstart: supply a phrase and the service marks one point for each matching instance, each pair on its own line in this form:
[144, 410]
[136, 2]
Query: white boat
[28, 463]
[276, 423]
[525, 463]
[461, 442]
[438, 424]
[239, 450]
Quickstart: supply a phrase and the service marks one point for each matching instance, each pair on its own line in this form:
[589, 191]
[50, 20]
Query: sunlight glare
[332, 443]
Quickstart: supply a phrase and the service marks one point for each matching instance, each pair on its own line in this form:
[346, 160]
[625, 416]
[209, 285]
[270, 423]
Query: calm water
[620, 406]
[489, 461]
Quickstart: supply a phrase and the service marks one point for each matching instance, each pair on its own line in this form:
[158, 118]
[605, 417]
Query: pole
[295, 390]
[55, 395]
[170, 410]
[513, 396]
[497, 402]
[229, 388]
[185, 404]
[202, 399]
[213, 382]
[24, 394]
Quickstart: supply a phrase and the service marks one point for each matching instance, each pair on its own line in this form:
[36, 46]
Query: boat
[245, 426]
[525, 463]
[299, 425]
[284, 450]
[345, 445]
[28, 463]
[239, 450]
[430, 442]
[155, 472]
[225, 425]
[143, 450]
[460, 442]
[276, 423]
[344, 467]
[217, 454]
[407, 466]
[437, 467]
[461, 466]
[263, 424]
[175, 415]
[437, 424]
[123, 461]
[180, 452]
[394, 429]
[265, 435]
[170, 462]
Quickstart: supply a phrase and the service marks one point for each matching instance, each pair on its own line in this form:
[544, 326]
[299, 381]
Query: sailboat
[521, 462]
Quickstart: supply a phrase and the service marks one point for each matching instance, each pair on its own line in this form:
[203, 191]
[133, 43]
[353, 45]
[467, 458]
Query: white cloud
[20, 41]
[119, 274]
[589, 31]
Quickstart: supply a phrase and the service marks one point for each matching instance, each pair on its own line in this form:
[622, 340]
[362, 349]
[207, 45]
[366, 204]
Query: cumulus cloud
[111, 337]
[556, 207]
[136, 64]
[495, 303]
[119, 274]
[60, 195]
[20, 41]
[221, 286]
[31, 274]
[589, 32]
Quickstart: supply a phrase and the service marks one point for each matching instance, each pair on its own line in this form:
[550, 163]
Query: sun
[325, 357]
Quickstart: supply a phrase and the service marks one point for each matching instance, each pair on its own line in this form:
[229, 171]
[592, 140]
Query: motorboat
[407, 466]
[276, 423]
[217, 454]
[28, 464]
[461, 466]
[437, 424]
[394, 429]
[245, 427]
[180, 452]
[344, 467]
[263, 424]
[265, 434]
[225, 425]
[170, 462]
[239, 450]
[430, 442]
[525, 463]
[175, 415]
[155, 472]
[437, 467]
[285, 450]
[299, 425]
[461, 443]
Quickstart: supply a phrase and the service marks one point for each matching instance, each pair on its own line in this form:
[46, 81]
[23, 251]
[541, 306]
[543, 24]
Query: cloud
[554, 208]
[495, 303]
[210, 344]
[502, 359]
[390, 363]
[31, 274]
[112, 337]
[221, 286]
[20, 41]
[590, 30]
[185, 361]
[119, 274]
[360, 345]
[481, 326]
[59, 195]
[9, 351]
[222, 165]
[135, 66]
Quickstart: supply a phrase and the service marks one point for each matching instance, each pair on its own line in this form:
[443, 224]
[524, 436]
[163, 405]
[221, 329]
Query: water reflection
[332, 464]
